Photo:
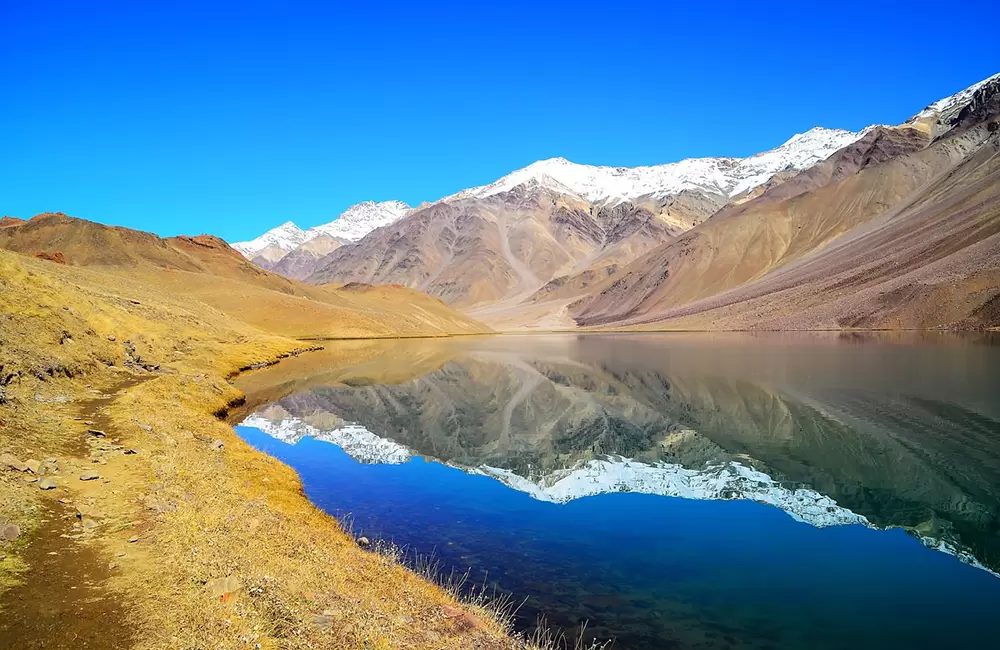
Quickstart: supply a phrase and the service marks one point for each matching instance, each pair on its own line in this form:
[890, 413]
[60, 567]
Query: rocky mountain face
[556, 227]
[715, 243]
[899, 229]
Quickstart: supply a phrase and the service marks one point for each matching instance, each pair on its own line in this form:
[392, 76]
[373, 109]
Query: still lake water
[673, 490]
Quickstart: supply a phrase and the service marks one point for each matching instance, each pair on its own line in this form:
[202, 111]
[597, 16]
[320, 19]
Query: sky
[197, 117]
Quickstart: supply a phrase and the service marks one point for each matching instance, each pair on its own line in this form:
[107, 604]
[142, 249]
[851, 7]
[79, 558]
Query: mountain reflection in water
[885, 431]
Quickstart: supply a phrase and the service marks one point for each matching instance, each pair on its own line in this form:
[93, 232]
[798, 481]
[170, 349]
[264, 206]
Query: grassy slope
[200, 514]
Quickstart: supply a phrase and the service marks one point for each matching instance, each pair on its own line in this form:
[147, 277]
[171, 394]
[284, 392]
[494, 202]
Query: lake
[671, 490]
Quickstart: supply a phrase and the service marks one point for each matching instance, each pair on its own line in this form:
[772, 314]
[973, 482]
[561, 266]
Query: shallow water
[688, 491]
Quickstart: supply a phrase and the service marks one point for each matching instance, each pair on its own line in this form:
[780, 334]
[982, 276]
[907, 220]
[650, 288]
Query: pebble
[133, 540]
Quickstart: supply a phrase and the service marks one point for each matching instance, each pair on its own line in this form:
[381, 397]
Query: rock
[89, 524]
[47, 483]
[221, 588]
[218, 445]
[34, 466]
[97, 433]
[89, 476]
[112, 338]
[323, 621]
[364, 542]
[8, 461]
[9, 532]
[130, 452]
[133, 540]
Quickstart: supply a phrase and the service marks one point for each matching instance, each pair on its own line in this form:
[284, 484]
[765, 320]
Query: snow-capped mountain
[723, 176]
[352, 224]
[359, 220]
[287, 237]
[952, 105]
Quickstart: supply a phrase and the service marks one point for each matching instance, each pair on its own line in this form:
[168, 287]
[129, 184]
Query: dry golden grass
[229, 551]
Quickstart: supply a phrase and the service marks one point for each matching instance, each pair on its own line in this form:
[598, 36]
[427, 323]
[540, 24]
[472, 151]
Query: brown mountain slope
[479, 252]
[302, 262]
[206, 269]
[914, 232]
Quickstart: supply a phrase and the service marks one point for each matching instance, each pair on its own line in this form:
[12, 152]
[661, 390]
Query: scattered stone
[8, 461]
[133, 540]
[34, 466]
[364, 542]
[97, 433]
[89, 476]
[130, 452]
[323, 621]
[9, 532]
[112, 338]
[223, 588]
[218, 445]
[47, 483]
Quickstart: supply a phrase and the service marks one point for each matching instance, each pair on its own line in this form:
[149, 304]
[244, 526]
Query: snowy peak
[287, 237]
[723, 176]
[359, 220]
[353, 224]
[952, 105]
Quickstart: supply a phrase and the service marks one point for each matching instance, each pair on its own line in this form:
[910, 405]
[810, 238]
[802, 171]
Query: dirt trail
[62, 602]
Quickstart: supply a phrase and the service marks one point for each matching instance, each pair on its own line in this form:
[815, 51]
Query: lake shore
[163, 528]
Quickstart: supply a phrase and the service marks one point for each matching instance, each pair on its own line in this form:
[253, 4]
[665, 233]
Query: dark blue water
[660, 572]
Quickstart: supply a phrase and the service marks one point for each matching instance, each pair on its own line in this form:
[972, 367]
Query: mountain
[489, 249]
[360, 219]
[283, 238]
[352, 224]
[206, 270]
[301, 261]
[901, 229]
[721, 176]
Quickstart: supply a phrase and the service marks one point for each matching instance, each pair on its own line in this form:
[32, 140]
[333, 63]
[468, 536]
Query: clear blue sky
[177, 118]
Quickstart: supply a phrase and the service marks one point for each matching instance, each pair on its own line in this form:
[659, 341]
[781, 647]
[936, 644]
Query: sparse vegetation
[207, 542]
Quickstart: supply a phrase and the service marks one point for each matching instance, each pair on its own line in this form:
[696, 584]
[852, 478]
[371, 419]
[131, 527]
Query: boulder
[47, 483]
[8, 461]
